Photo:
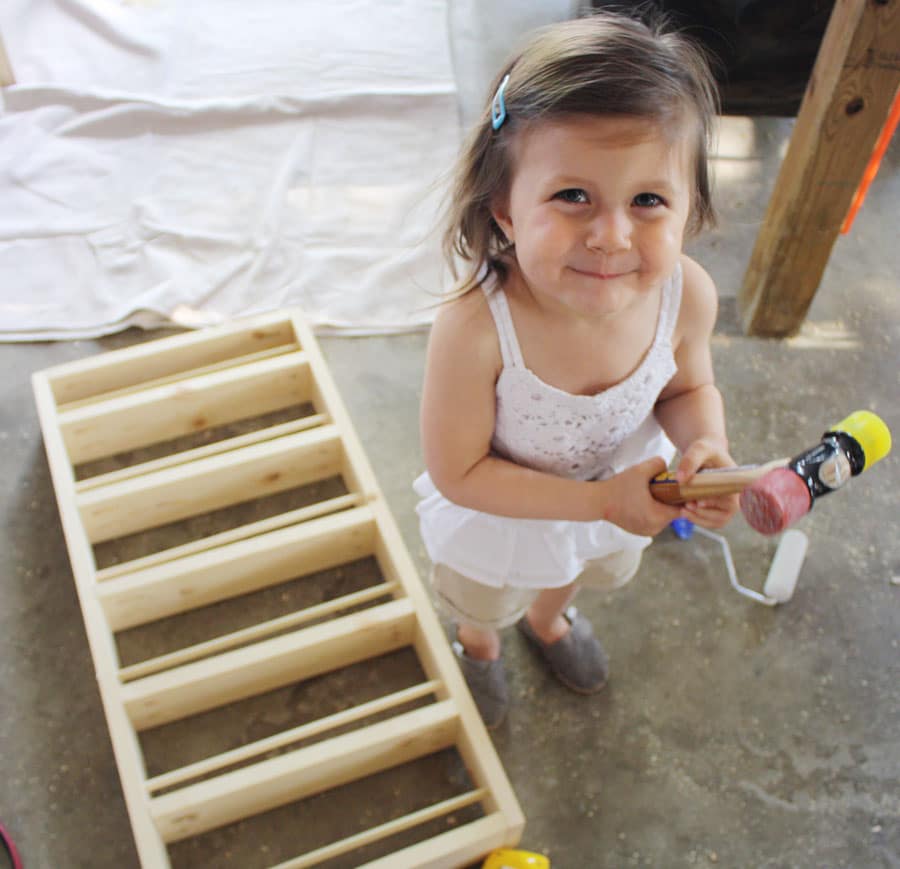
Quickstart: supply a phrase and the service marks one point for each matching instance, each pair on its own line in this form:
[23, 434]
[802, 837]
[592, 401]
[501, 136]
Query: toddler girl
[574, 358]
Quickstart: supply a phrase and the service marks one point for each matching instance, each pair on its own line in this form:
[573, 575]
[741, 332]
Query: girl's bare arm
[690, 408]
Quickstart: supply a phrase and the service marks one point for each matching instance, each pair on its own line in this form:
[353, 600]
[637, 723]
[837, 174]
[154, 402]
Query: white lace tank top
[576, 436]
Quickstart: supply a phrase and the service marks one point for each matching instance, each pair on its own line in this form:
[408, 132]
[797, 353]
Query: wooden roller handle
[710, 482]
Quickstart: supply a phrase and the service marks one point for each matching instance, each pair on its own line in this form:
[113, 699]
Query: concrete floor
[731, 735]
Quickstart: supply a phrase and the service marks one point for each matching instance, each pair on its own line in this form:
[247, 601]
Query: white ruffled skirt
[527, 553]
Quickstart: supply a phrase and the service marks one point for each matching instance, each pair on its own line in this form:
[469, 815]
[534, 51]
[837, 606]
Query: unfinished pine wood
[304, 772]
[213, 449]
[242, 532]
[852, 86]
[258, 631]
[211, 483]
[123, 737]
[190, 353]
[396, 565]
[237, 568]
[264, 666]
[382, 831]
[165, 380]
[155, 392]
[161, 413]
[201, 768]
[460, 847]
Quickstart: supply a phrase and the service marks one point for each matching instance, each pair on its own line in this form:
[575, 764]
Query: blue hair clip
[498, 106]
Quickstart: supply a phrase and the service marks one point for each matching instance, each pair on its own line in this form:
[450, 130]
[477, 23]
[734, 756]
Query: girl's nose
[609, 232]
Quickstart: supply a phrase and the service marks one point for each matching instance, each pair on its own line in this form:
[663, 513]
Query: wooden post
[849, 95]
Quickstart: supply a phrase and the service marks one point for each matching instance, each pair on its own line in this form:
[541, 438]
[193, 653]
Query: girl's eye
[574, 195]
[648, 200]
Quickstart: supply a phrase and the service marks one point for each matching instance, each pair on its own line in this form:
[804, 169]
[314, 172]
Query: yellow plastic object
[510, 858]
[870, 432]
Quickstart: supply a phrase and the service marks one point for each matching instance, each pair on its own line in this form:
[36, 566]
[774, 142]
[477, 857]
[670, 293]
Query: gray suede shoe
[576, 659]
[487, 682]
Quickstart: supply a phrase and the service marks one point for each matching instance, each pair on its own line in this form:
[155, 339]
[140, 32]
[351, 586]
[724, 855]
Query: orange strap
[874, 161]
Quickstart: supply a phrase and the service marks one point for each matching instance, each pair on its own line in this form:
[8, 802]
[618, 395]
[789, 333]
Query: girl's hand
[630, 504]
[711, 512]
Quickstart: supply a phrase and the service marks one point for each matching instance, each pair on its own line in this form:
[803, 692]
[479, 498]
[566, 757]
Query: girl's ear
[500, 213]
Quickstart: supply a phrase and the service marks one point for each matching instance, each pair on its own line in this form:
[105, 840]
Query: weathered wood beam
[849, 95]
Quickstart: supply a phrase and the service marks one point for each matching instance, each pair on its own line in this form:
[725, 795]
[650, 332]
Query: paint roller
[777, 494]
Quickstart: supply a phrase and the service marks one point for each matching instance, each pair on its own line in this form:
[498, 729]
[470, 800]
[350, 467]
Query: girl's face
[596, 209]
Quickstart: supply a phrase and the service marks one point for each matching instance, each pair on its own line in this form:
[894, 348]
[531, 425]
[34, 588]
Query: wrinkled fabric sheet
[165, 161]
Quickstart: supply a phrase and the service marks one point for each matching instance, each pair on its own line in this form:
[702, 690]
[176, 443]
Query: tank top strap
[506, 331]
[670, 305]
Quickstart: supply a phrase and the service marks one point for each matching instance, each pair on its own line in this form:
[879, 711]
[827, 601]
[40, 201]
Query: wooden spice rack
[127, 402]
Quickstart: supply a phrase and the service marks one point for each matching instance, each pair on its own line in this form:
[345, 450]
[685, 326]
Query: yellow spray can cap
[510, 858]
[870, 432]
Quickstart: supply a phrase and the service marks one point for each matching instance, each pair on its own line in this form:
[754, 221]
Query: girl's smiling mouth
[600, 275]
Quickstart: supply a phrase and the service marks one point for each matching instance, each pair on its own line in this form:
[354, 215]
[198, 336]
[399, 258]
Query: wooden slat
[110, 426]
[473, 743]
[437, 660]
[236, 569]
[396, 564]
[265, 666]
[126, 748]
[209, 484]
[259, 631]
[167, 357]
[214, 449]
[212, 368]
[302, 773]
[233, 535]
[289, 737]
[451, 850]
[326, 399]
[848, 98]
[383, 831]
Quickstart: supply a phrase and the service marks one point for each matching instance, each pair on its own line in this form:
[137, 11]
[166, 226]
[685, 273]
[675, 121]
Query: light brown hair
[604, 64]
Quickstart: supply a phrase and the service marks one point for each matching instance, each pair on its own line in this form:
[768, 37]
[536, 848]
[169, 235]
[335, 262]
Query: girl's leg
[477, 610]
[545, 615]
[478, 652]
[566, 640]
[479, 644]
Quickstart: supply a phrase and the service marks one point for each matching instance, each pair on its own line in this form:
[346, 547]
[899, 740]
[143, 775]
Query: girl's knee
[612, 571]
[481, 607]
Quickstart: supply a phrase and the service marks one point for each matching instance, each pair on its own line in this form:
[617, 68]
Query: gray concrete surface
[731, 735]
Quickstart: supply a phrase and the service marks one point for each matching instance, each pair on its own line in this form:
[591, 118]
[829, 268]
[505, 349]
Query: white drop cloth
[194, 161]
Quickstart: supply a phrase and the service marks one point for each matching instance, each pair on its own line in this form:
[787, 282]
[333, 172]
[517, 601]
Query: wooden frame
[171, 387]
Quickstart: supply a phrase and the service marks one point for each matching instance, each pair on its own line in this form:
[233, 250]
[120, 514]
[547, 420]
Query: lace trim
[547, 428]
